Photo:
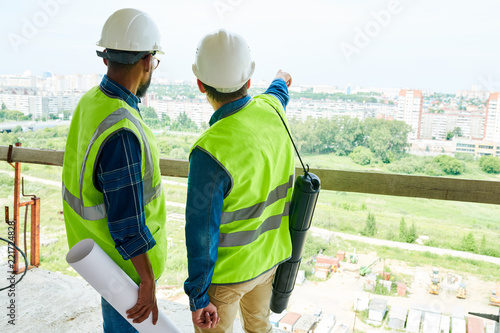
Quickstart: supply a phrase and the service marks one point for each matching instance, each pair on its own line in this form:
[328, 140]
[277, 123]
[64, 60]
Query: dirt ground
[337, 295]
[52, 302]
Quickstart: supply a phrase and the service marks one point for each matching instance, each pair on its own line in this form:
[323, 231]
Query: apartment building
[437, 125]
[410, 107]
[492, 121]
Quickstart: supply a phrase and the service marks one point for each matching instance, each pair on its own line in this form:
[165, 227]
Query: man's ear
[105, 61]
[147, 62]
[249, 83]
[200, 86]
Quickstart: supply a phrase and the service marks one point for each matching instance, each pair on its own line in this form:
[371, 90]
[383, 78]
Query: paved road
[325, 234]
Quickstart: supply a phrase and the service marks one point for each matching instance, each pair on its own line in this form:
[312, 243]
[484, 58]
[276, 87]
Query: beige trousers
[252, 298]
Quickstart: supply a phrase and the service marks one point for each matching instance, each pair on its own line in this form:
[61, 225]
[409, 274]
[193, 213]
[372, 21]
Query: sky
[441, 45]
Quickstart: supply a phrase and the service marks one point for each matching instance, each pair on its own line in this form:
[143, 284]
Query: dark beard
[142, 89]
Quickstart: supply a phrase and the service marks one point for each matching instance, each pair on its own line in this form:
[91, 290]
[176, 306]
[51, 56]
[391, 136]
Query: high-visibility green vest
[253, 146]
[96, 118]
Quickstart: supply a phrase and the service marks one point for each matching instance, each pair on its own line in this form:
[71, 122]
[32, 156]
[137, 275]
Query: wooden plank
[32, 155]
[441, 188]
[174, 168]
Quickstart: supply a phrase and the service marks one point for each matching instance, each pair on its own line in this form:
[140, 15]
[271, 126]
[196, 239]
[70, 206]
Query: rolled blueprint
[116, 287]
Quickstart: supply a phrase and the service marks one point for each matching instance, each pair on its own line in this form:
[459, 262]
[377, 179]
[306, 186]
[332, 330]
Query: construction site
[367, 296]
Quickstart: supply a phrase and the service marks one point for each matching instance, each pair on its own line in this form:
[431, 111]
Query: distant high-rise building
[325, 90]
[492, 123]
[410, 105]
[471, 94]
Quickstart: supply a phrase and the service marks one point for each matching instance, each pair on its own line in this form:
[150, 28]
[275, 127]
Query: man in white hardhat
[111, 175]
[241, 172]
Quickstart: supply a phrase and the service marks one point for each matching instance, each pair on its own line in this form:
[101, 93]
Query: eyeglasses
[156, 61]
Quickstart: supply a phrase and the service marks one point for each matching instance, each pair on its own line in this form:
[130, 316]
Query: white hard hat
[223, 61]
[130, 30]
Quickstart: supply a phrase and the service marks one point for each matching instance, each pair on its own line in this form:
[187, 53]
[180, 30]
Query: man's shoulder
[267, 98]
[268, 101]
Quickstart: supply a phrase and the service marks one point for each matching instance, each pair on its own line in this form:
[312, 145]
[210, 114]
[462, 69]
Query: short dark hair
[125, 67]
[225, 97]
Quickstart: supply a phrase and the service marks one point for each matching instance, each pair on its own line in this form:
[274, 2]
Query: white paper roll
[116, 287]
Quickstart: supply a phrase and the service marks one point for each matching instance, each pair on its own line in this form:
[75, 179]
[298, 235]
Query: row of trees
[386, 140]
[357, 98]
[469, 244]
[12, 115]
[432, 166]
[408, 234]
[182, 123]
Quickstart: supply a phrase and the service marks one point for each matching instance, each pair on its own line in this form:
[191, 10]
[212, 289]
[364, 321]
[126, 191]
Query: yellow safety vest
[253, 146]
[95, 119]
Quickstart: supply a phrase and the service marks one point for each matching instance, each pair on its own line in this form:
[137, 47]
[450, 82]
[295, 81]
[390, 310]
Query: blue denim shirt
[123, 195]
[208, 184]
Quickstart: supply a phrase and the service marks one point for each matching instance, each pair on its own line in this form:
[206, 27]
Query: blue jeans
[113, 322]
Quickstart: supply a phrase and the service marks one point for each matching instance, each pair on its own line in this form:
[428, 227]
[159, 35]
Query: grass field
[446, 223]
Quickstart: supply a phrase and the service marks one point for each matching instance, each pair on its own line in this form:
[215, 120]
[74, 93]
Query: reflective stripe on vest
[256, 210]
[98, 212]
[241, 238]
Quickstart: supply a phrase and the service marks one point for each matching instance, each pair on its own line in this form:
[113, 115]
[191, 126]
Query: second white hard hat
[223, 61]
[130, 29]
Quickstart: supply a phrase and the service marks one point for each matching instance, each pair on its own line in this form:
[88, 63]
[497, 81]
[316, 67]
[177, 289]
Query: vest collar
[230, 108]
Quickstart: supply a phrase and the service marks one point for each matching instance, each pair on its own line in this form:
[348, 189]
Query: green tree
[450, 165]
[449, 136]
[13, 115]
[457, 131]
[379, 143]
[178, 154]
[165, 119]
[402, 230]
[412, 236]
[490, 164]
[362, 156]
[370, 228]
[9, 138]
[149, 112]
[67, 114]
[399, 137]
[469, 243]
[305, 135]
[348, 136]
[326, 130]
[387, 140]
[184, 123]
[4, 107]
